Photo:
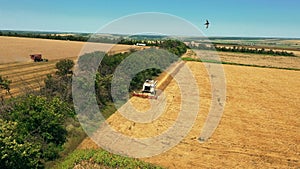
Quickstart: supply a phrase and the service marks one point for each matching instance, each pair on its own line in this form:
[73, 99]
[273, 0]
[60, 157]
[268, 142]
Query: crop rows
[27, 76]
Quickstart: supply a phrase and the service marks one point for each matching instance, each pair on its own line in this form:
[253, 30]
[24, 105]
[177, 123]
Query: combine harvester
[148, 91]
[149, 86]
[38, 58]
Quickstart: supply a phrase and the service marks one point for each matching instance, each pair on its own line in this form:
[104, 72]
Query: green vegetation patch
[32, 131]
[102, 159]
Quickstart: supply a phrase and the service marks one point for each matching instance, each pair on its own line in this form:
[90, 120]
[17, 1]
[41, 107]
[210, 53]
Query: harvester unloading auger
[148, 91]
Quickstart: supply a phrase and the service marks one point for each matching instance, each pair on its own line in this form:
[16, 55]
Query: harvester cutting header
[148, 91]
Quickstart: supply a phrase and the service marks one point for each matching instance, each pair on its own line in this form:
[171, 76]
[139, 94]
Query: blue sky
[258, 18]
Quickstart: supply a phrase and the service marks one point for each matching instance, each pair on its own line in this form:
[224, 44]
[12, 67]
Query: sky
[234, 18]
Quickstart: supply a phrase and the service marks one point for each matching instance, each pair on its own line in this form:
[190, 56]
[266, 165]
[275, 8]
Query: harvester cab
[148, 91]
[149, 86]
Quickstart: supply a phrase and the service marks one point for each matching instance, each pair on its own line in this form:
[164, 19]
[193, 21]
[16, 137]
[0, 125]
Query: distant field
[16, 65]
[14, 49]
[266, 42]
[252, 59]
[295, 51]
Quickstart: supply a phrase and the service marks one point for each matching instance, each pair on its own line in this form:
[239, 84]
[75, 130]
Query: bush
[64, 67]
[5, 84]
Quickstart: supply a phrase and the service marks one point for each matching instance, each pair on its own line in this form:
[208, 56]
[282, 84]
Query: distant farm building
[140, 44]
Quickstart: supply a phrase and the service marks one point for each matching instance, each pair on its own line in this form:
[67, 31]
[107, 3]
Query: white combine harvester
[148, 91]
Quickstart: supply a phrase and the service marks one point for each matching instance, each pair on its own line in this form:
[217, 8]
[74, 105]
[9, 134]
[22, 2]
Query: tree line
[242, 49]
[174, 46]
[55, 36]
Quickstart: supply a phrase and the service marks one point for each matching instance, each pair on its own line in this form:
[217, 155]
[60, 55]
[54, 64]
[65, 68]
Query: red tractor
[38, 58]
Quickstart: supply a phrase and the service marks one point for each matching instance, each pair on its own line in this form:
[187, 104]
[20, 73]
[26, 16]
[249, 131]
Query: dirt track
[259, 128]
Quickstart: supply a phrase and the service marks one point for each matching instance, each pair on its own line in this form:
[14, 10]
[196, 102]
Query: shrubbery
[32, 131]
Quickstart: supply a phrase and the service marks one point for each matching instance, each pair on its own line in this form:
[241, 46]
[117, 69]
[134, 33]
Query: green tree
[64, 67]
[15, 153]
[174, 46]
[60, 84]
[33, 131]
[103, 88]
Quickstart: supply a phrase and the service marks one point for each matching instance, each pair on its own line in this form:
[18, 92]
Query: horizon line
[123, 34]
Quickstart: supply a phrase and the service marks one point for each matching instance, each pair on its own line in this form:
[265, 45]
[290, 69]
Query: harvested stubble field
[259, 128]
[26, 76]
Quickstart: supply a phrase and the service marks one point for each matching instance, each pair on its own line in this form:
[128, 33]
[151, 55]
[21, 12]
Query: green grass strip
[103, 159]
